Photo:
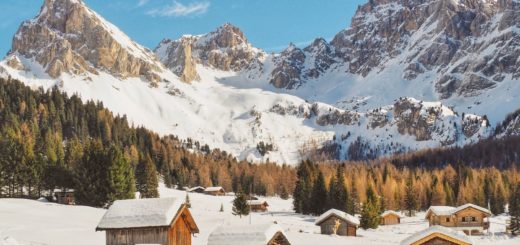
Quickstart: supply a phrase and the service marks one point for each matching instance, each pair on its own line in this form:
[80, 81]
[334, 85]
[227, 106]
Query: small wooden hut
[258, 205]
[470, 218]
[260, 234]
[338, 223]
[65, 196]
[437, 235]
[165, 221]
[197, 189]
[215, 191]
[390, 217]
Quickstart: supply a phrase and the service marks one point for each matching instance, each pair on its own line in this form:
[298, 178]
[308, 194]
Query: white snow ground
[27, 222]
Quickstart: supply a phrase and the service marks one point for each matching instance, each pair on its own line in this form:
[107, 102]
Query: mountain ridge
[220, 90]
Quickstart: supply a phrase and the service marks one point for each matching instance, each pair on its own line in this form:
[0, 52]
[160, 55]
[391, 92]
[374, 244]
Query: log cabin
[390, 217]
[258, 205]
[437, 235]
[215, 191]
[65, 196]
[197, 189]
[165, 221]
[336, 222]
[256, 234]
[469, 218]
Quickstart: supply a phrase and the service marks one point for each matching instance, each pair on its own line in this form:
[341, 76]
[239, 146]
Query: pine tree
[120, 176]
[240, 206]
[146, 175]
[303, 188]
[410, 199]
[354, 200]
[284, 194]
[514, 209]
[370, 211]
[319, 196]
[187, 200]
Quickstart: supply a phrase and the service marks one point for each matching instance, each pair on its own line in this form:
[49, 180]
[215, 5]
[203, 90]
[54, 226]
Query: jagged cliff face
[67, 37]
[472, 45]
[225, 49]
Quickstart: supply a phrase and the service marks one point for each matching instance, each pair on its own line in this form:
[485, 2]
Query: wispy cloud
[177, 9]
[141, 3]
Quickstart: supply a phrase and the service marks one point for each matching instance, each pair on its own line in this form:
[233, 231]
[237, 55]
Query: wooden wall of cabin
[180, 233]
[137, 236]
[345, 229]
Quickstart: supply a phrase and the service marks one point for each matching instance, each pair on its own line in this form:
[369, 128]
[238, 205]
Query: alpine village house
[336, 222]
[469, 218]
[256, 234]
[390, 217]
[437, 235]
[165, 221]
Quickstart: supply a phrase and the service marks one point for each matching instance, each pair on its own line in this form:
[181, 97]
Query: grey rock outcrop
[68, 37]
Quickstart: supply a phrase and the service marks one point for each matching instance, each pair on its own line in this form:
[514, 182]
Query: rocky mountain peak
[68, 37]
[225, 49]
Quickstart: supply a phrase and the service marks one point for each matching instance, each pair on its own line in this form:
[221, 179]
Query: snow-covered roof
[338, 213]
[257, 202]
[470, 205]
[153, 212]
[214, 188]
[387, 212]
[259, 234]
[61, 190]
[448, 210]
[196, 188]
[458, 235]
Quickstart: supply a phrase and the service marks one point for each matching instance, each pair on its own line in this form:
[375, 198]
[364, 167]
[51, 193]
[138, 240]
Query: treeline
[491, 152]
[351, 187]
[50, 140]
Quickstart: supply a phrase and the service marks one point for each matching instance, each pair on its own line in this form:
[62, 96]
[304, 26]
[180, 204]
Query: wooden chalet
[390, 217]
[258, 205]
[65, 196]
[336, 222]
[437, 235]
[165, 221]
[197, 189]
[469, 218]
[215, 191]
[259, 234]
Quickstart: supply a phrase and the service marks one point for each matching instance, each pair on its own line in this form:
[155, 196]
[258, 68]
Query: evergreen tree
[410, 199]
[370, 211]
[146, 175]
[91, 177]
[353, 202]
[303, 188]
[121, 181]
[284, 194]
[319, 196]
[240, 206]
[514, 209]
[499, 201]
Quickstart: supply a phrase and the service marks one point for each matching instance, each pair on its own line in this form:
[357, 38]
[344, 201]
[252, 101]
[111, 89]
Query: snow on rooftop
[256, 202]
[448, 210]
[196, 188]
[436, 230]
[214, 188]
[338, 213]
[391, 212]
[153, 212]
[259, 234]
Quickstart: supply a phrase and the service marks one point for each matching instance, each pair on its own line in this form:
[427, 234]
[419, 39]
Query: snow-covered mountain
[407, 75]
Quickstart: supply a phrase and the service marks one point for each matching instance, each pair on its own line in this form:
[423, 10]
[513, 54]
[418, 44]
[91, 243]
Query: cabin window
[469, 219]
[447, 220]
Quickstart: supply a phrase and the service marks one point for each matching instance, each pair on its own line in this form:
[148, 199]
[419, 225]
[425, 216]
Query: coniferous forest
[49, 140]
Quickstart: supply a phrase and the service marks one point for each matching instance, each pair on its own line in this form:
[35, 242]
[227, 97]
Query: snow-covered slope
[33, 222]
[220, 90]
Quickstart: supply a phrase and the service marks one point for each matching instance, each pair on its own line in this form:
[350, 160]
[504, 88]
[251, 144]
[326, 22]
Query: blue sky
[268, 24]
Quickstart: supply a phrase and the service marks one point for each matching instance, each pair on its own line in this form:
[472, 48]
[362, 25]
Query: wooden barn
[197, 189]
[437, 235]
[215, 191]
[65, 196]
[258, 205]
[336, 222]
[390, 217]
[259, 234]
[165, 221]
